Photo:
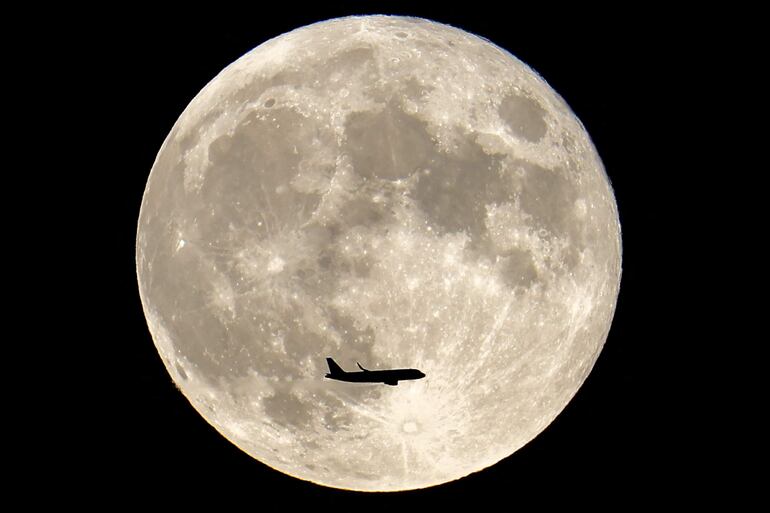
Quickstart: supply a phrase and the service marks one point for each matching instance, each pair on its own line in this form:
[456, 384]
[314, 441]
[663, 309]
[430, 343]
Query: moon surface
[390, 191]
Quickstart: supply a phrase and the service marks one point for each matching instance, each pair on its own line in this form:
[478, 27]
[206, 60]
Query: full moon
[390, 191]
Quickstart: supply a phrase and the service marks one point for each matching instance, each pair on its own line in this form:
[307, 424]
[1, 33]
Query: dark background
[627, 438]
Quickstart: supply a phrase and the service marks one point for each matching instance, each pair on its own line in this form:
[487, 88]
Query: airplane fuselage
[388, 377]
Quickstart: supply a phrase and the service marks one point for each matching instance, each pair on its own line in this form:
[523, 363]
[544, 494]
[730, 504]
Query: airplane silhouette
[389, 377]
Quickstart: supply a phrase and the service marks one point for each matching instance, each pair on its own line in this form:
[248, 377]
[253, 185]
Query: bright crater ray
[390, 191]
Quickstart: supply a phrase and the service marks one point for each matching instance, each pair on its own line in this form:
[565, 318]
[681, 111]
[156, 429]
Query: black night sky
[625, 438]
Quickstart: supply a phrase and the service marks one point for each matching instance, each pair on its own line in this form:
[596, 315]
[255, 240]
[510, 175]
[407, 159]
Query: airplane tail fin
[334, 369]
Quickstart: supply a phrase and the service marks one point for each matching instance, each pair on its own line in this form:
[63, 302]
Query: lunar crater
[524, 117]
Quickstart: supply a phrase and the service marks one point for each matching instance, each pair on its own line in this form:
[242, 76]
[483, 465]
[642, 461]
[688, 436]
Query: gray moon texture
[390, 191]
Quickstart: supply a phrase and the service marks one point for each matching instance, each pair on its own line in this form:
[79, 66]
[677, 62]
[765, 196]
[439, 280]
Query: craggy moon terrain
[390, 191]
